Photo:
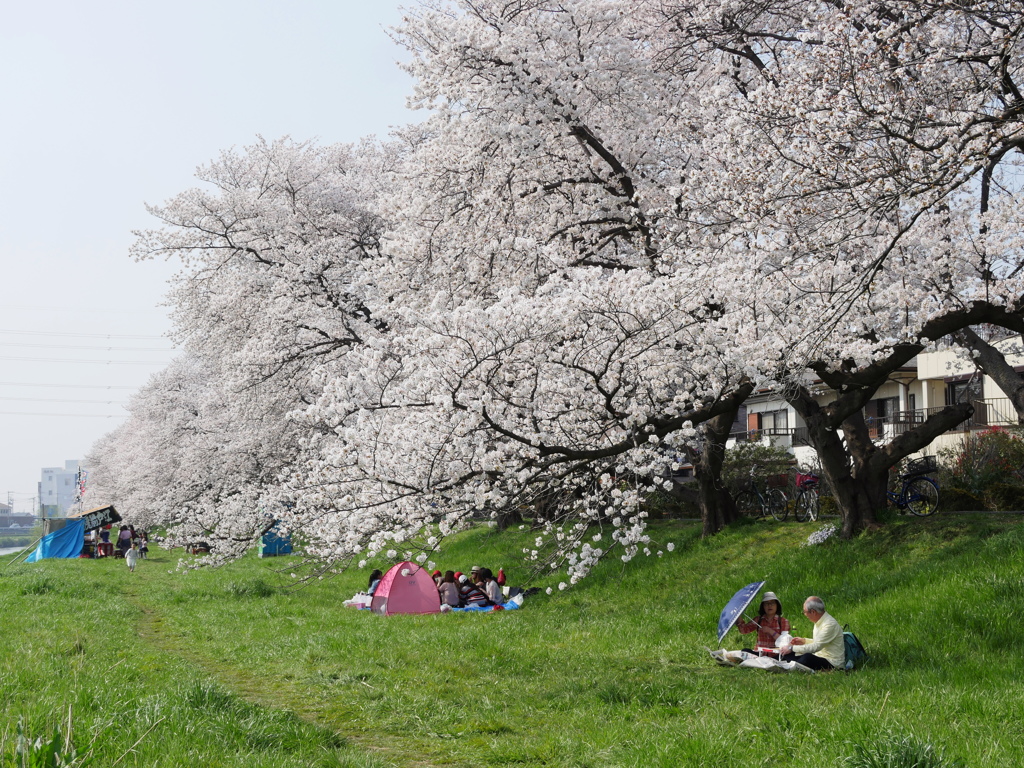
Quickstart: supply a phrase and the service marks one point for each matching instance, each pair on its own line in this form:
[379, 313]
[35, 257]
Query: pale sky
[110, 105]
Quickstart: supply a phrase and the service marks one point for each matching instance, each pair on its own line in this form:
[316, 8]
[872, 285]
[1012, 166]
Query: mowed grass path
[229, 667]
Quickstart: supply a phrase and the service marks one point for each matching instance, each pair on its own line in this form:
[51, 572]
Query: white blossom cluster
[614, 215]
[821, 535]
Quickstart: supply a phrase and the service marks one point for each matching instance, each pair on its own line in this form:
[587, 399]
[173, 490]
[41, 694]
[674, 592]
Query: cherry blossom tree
[268, 304]
[895, 128]
[825, 173]
[991, 357]
[196, 458]
[618, 218]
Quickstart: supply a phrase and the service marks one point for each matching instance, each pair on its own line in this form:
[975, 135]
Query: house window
[777, 420]
[962, 391]
[886, 407]
[739, 423]
[878, 413]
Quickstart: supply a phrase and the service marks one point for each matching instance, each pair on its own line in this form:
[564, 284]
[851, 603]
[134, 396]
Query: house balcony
[991, 412]
[777, 435]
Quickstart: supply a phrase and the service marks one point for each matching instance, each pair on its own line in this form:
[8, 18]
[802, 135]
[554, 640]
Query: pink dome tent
[406, 588]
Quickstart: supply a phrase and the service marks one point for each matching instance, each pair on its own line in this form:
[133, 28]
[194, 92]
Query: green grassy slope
[224, 667]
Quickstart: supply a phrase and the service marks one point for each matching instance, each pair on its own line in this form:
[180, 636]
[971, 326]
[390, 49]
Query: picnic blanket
[362, 602]
[753, 661]
[509, 606]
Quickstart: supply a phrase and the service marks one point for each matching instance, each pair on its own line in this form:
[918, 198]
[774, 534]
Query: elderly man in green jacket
[826, 650]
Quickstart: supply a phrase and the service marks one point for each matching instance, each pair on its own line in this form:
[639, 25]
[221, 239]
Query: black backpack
[855, 653]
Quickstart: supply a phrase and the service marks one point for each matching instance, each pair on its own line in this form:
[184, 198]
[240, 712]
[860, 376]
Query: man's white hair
[815, 604]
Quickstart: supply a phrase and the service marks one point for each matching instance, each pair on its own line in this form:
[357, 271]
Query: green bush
[984, 471]
[827, 506]
[959, 500]
[664, 505]
[771, 462]
[1005, 496]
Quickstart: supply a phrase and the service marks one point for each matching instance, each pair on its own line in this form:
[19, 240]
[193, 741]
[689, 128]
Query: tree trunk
[543, 507]
[837, 467]
[994, 363]
[858, 470]
[717, 507]
[509, 516]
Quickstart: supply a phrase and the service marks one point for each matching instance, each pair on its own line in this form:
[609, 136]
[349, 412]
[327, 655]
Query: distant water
[10, 550]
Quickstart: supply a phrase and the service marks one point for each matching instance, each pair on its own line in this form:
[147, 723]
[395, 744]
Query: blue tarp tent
[64, 542]
[273, 544]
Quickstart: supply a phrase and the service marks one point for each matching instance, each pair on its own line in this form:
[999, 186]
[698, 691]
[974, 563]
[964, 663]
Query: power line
[62, 386]
[68, 415]
[79, 346]
[58, 400]
[69, 360]
[119, 309]
[80, 335]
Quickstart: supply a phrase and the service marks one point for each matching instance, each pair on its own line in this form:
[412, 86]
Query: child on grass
[131, 557]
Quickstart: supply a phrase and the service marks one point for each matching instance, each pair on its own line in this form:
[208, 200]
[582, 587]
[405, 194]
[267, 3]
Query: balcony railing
[797, 434]
[991, 412]
[994, 412]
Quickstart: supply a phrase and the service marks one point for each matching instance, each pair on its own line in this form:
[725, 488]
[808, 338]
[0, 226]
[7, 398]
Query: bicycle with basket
[918, 493]
[758, 502]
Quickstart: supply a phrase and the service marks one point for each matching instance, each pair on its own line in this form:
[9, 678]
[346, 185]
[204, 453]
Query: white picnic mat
[753, 661]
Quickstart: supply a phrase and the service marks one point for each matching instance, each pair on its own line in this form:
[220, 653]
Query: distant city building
[58, 488]
[9, 519]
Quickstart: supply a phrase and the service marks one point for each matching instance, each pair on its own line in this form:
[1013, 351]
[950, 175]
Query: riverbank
[238, 667]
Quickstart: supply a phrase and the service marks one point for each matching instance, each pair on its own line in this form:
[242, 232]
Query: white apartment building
[58, 488]
[930, 382]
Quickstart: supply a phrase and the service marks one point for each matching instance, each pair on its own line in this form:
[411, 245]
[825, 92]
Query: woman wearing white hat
[770, 622]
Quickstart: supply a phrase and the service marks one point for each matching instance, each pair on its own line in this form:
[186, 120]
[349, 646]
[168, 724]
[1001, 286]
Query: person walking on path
[124, 541]
[131, 557]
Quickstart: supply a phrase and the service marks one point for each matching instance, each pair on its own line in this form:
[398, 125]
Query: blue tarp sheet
[66, 542]
[485, 608]
[273, 544]
[470, 608]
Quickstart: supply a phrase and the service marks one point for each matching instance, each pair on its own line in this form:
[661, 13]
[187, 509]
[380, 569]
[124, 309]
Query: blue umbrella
[735, 608]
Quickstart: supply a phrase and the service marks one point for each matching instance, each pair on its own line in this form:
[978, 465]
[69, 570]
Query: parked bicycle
[757, 503]
[806, 506]
[918, 493]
